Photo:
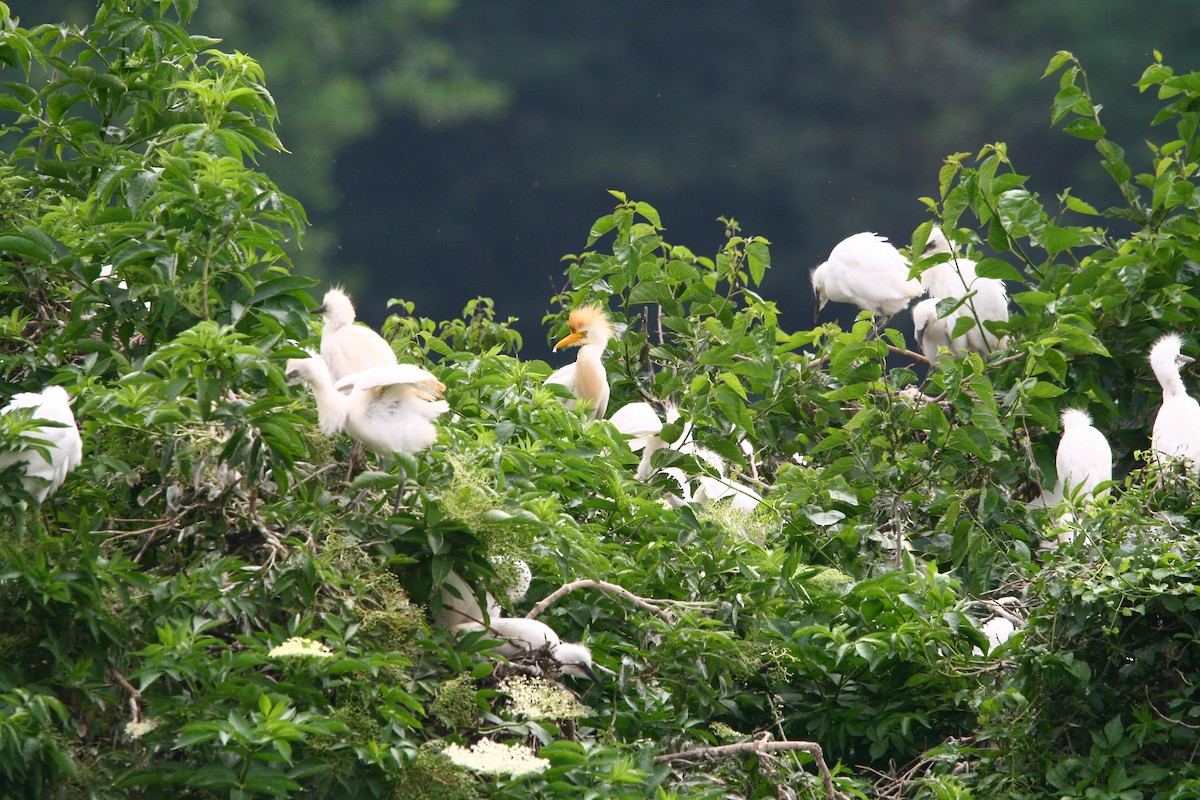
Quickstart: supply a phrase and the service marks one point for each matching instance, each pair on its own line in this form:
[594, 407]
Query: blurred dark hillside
[446, 151]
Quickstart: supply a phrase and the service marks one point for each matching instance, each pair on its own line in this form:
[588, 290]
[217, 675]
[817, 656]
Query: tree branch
[603, 586]
[759, 747]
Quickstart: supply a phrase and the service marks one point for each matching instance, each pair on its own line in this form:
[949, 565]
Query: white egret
[998, 630]
[1176, 431]
[987, 299]
[44, 472]
[586, 378]
[1084, 456]
[388, 409]
[1083, 462]
[520, 638]
[864, 269]
[641, 422]
[348, 348]
[460, 604]
[933, 332]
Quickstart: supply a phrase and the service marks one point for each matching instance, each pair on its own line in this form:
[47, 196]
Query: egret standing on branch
[865, 270]
[348, 348]
[1176, 431]
[388, 409]
[45, 471]
[586, 378]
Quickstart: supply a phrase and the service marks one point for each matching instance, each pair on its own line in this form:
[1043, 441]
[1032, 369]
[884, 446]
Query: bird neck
[590, 378]
[1168, 378]
[332, 405]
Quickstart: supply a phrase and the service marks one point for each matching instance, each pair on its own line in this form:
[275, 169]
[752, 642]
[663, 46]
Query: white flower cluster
[535, 698]
[299, 647]
[136, 729]
[493, 758]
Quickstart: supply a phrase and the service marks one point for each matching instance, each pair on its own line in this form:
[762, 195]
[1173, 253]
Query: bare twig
[134, 694]
[603, 586]
[909, 353]
[759, 747]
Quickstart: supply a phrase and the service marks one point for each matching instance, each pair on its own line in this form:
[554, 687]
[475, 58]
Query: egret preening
[986, 298]
[348, 348]
[526, 637]
[44, 472]
[865, 270]
[1176, 431]
[388, 409]
[586, 378]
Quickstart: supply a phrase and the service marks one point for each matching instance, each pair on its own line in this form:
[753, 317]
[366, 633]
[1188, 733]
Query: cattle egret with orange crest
[586, 378]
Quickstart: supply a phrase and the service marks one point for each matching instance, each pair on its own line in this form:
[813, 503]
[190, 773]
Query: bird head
[818, 284]
[589, 325]
[302, 370]
[575, 659]
[936, 243]
[1075, 418]
[1166, 355]
[336, 308]
[923, 313]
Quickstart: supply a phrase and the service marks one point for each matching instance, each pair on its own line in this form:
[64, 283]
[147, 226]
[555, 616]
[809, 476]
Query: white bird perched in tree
[987, 299]
[348, 348]
[934, 332]
[44, 472]
[460, 605]
[521, 637]
[641, 422]
[1176, 431]
[864, 269]
[586, 378]
[389, 409]
[1084, 459]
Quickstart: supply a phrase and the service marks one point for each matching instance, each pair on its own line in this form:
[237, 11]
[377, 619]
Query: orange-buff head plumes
[589, 325]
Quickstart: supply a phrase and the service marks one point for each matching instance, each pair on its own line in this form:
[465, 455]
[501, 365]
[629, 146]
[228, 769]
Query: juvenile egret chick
[389, 409]
[865, 270]
[521, 637]
[933, 332]
[586, 378]
[1084, 457]
[44, 473]
[988, 300]
[348, 348]
[1176, 431]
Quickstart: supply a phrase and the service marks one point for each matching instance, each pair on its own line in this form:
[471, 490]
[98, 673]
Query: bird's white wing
[563, 376]
[355, 348]
[391, 375]
[636, 419]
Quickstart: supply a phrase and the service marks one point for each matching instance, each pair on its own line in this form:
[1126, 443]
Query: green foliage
[212, 605]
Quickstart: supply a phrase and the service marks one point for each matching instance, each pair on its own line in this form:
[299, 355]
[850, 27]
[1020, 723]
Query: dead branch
[759, 747]
[603, 586]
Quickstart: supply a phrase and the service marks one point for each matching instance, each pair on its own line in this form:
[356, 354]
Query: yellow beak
[570, 339]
